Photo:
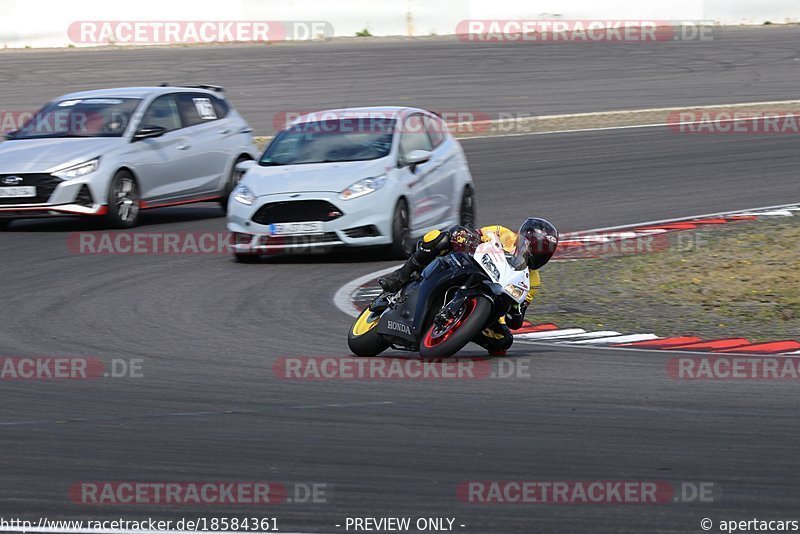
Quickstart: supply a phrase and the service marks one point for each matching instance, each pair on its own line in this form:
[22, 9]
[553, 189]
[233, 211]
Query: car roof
[133, 92]
[389, 112]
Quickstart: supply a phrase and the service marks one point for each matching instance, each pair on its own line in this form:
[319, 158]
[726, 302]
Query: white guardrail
[24, 23]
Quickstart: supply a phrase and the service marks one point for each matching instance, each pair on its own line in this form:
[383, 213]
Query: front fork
[450, 310]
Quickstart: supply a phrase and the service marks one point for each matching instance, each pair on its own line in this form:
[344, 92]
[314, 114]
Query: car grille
[45, 185]
[299, 240]
[296, 211]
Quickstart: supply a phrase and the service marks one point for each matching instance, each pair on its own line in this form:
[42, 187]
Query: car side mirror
[149, 132]
[244, 166]
[417, 157]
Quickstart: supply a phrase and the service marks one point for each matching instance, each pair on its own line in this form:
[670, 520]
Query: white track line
[628, 338]
[547, 334]
[776, 213]
[587, 335]
[342, 297]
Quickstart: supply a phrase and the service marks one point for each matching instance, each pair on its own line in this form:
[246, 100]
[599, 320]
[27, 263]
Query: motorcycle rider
[534, 243]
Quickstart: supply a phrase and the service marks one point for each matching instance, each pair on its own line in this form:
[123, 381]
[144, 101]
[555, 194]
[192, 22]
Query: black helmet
[537, 241]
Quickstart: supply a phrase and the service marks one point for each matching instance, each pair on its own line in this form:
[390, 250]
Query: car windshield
[81, 117]
[326, 141]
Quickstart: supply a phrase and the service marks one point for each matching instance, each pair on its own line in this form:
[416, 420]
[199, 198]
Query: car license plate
[22, 191]
[297, 228]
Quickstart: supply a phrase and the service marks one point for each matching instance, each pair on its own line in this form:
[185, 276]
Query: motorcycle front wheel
[363, 338]
[443, 341]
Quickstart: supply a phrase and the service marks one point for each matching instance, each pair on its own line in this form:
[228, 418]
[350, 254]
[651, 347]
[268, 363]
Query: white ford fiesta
[352, 177]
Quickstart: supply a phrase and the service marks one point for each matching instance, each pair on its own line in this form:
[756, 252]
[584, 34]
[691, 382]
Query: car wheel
[4, 223]
[402, 245]
[123, 201]
[233, 180]
[467, 212]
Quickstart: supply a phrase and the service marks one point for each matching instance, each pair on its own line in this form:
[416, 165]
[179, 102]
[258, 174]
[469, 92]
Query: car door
[420, 179]
[160, 162]
[211, 140]
[445, 170]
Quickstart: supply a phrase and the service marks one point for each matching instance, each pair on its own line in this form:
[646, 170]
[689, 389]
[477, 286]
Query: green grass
[741, 279]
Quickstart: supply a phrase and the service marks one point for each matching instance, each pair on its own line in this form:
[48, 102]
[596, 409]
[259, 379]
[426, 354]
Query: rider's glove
[516, 316]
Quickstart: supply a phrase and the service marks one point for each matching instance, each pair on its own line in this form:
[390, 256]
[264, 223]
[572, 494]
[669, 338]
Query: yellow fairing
[363, 324]
[536, 281]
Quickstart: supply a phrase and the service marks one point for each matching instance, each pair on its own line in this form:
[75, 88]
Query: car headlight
[363, 187]
[244, 194]
[76, 171]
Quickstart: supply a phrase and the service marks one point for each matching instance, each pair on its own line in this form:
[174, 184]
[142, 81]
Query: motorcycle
[455, 298]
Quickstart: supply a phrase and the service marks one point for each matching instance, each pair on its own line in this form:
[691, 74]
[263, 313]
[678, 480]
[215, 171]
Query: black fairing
[405, 324]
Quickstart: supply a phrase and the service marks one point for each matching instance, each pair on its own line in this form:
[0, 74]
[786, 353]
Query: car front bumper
[29, 211]
[55, 198]
[365, 221]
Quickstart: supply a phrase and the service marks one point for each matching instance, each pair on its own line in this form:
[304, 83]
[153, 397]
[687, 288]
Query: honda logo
[12, 180]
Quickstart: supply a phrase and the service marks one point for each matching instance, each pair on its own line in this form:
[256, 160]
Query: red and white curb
[550, 334]
[652, 236]
[355, 295]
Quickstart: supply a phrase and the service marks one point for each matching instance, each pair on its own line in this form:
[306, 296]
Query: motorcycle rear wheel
[445, 341]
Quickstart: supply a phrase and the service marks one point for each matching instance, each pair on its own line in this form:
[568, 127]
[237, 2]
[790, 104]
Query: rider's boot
[395, 281]
[433, 244]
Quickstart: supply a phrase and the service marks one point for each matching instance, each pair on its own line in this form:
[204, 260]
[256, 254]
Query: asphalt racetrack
[443, 74]
[208, 330]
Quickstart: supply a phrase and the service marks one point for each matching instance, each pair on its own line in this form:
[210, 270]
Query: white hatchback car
[352, 177]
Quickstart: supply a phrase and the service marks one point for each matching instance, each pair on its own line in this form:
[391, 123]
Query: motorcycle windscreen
[518, 258]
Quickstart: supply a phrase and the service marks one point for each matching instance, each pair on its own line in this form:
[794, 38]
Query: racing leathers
[496, 339]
